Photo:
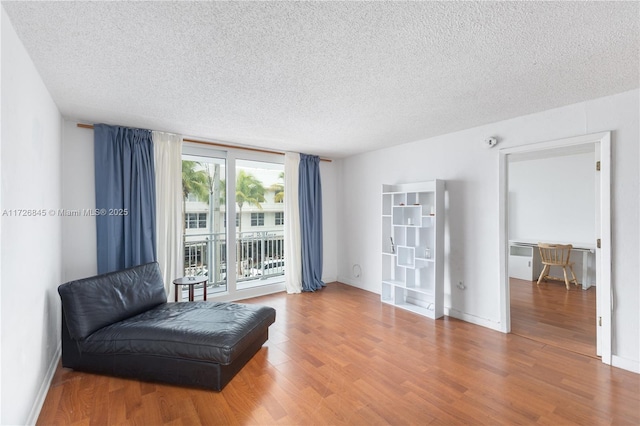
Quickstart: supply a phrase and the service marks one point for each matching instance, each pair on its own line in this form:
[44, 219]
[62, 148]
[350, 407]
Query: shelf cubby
[406, 257]
[386, 204]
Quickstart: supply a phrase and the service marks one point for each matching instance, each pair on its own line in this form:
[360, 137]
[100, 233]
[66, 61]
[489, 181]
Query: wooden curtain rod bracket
[221, 145]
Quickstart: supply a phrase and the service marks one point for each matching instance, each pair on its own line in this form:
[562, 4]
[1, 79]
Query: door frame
[604, 295]
[231, 156]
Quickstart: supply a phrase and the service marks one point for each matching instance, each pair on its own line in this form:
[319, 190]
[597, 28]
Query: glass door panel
[203, 191]
[260, 224]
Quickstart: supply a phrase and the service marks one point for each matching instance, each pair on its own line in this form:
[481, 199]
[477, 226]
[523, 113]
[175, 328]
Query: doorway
[600, 143]
[553, 315]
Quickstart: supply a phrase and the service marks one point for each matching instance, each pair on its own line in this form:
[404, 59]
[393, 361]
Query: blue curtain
[310, 202]
[125, 197]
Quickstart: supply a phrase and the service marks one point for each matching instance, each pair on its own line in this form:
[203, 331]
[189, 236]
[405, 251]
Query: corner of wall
[44, 388]
[625, 364]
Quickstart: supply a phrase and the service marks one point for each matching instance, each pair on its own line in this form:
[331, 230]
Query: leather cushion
[207, 331]
[92, 303]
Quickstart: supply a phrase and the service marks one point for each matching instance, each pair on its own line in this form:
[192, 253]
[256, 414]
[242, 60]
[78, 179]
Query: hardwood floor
[550, 314]
[339, 356]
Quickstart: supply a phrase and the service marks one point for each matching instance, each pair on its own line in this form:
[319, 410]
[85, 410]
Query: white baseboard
[44, 388]
[625, 364]
[329, 279]
[355, 283]
[345, 281]
[454, 313]
[447, 311]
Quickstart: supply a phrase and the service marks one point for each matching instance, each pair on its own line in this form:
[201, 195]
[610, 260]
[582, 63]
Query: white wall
[329, 182]
[79, 242]
[30, 254]
[553, 200]
[78, 192]
[472, 190]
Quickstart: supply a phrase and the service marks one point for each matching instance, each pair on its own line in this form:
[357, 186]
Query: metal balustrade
[261, 256]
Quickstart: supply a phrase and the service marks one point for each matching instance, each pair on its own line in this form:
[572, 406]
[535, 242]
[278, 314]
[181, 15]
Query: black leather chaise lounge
[121, 324]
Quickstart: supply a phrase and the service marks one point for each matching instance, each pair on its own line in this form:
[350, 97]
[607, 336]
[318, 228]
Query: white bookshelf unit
[412, 247]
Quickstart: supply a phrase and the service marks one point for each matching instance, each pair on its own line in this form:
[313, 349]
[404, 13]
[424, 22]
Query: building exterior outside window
[279, 218]
[257, 219]
[195, 220]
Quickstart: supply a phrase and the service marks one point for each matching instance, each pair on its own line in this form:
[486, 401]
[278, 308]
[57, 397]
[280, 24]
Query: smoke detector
[490, 142]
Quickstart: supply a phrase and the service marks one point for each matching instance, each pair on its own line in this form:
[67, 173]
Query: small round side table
[191, 282]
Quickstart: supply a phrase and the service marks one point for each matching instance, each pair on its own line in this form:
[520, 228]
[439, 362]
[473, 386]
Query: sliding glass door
[246, 257]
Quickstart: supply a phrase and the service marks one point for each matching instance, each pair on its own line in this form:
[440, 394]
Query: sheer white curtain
[168, 165]
[292, 236]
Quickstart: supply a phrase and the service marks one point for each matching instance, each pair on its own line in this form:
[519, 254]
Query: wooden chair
[556, 255]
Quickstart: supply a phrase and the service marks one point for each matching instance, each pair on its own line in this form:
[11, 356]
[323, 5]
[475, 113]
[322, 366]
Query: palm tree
[249, 190]
[194, 181]
[278, 189]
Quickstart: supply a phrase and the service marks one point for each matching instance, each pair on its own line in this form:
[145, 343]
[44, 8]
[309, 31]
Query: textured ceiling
[329, 78]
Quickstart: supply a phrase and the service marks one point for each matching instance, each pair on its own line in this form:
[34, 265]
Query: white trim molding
[604, 297]
[484, 322]
[44, 387]
[625, 364]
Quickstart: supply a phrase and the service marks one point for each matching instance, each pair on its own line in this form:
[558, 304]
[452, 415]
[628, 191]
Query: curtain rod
[222, 145]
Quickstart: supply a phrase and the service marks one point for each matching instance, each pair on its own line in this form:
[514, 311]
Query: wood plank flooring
[339, 356]
[551, 314]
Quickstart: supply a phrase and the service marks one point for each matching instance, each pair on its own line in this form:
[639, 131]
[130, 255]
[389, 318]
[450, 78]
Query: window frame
[257, 219]
[279, 219]
[196, 218]
[231, 156]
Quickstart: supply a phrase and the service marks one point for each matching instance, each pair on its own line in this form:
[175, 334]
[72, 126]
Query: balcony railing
[260, 255]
